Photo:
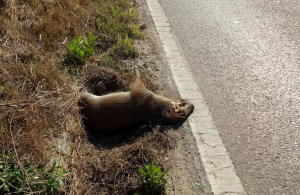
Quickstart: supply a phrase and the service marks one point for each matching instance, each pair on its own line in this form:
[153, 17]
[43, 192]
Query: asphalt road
[245, 57]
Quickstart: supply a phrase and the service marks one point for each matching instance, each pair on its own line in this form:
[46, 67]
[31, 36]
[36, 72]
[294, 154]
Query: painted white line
[219, 169]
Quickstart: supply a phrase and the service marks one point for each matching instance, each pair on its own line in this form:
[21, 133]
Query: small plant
[52, 179]
[152, 182]
[15, 179]
[81, 49]
[123, 48]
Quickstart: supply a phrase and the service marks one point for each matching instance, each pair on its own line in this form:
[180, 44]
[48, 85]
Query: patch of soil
[100, 80]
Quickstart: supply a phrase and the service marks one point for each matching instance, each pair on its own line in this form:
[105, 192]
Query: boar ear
[167, 114]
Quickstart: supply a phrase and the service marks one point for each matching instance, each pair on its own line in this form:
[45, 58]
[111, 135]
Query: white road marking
[215, 159]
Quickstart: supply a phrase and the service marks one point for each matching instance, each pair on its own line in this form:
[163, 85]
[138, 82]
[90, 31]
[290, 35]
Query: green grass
[27, 179]
[81, 48]
[123, 48]
[117, 26]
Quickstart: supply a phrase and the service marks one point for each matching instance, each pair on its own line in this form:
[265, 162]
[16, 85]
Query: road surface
[245, 58]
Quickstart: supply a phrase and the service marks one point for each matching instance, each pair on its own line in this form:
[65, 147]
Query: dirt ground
[186, 174]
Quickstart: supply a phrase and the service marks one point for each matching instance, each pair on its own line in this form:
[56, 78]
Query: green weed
[81, 48]
[152, 182]
[15, 179]
[123, 48]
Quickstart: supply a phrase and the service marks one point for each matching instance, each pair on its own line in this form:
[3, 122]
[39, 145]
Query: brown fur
[113, 112]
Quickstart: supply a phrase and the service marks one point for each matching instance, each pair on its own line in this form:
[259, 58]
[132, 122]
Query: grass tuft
[28, 179]
[123, 48]
[81, 48]
[153, 181]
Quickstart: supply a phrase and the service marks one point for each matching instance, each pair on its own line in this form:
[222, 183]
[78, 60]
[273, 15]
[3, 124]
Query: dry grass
[111, 163]
[39, 113]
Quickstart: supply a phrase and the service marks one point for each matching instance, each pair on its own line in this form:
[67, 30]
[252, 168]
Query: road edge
[218, 166]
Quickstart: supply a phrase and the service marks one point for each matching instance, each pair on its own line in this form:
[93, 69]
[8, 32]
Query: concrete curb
[219, 169]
